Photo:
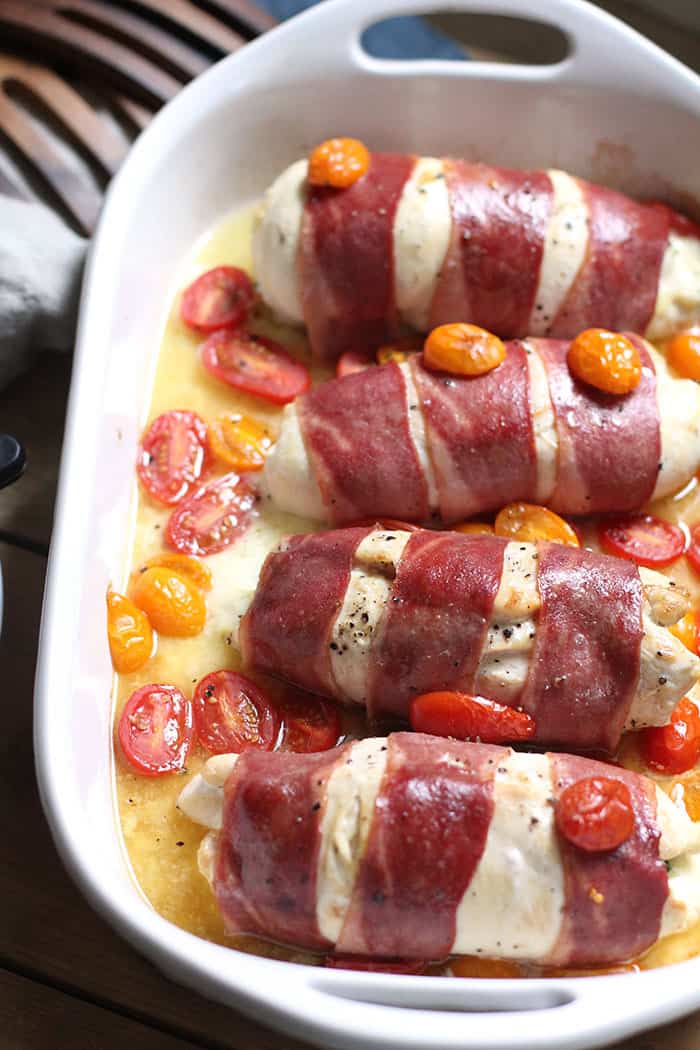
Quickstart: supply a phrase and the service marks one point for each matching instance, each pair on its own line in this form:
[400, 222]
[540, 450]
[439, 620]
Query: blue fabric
[393, 38]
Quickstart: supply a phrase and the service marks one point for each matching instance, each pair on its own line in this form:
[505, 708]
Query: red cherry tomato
[155, 730]
[173, 454]
[232, 714]
[256, 365]
[642, 538]
[310, 723]
[354, 361]
[693, 552]
[595, 814]
[469, 718]
[359, 962]
[674, 748]
[220, 298]
[212, 517]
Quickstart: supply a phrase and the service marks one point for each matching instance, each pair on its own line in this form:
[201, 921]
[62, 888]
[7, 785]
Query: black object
[13, 460]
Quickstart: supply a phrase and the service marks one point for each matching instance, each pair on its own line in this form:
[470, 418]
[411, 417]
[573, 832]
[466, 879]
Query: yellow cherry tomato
[687, 631]
[463, 349]
[171, 601]
[240, 441]
[530, 522]
[474, 528]
[129, 633]
[606, 360]
[338, 163]
[683, 353]
[183, 564]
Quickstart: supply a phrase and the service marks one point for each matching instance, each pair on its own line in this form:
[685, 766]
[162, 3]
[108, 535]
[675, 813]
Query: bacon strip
[614, 899]
[480, 435]
[428, 833]
[287, 628]
[266, 865]
[609, 446]
[358, 440]
[492, 267]
[346, 259]
[587, 654]
[435, 621]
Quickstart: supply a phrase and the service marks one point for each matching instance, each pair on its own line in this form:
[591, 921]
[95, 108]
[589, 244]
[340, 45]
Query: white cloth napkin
[41, 266]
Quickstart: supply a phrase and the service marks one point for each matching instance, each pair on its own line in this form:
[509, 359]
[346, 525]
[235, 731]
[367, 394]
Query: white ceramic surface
[617, 110]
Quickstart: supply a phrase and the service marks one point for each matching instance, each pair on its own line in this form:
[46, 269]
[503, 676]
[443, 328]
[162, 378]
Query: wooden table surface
[66, 980]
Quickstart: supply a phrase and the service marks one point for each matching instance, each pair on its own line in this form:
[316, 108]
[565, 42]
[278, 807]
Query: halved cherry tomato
[354, 361]
[683, 353]
[220, 298]
[257, 365]
[468, 717]
[595, 814]
[171, 601]
[240, 441]
[310, 723]
[183, 564]
[606, 360]
[338, 163]
[232, 714]
[155, 730]
[129, 632]
[474, 528]
[642, 538]
[686, 630]
[173, 455]
[693, 552]
[530, 522]
[359, 962]
[212, 517]
[463, 349]
[674, 748]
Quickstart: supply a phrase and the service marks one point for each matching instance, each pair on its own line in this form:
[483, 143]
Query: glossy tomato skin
[256, 365]
[595, 814]
[466, 717]
[642, 538]
[212, 518]
[693, 552]
[220, 298]
[310, 722]
[232, 714]
[674, 748]
[173, 455]
[354, 361]
[156, 730]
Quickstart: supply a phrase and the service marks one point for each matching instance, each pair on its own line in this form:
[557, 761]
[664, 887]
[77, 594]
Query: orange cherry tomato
[687, 631]
[354, 361]
[595, 814]
[155, 730]
[212, 518]
[683, 353]
[469, 718]
[529, 522]
[474, 528]
[256, 365]
[184, 565]
[310, 723]
[463, 349]
[129, 632]
[643, 539]
[338, 163]
[240, 441]
[231, 713]
[220, 298]
[693, 552]
[173, 455]
[360, 962]
[606, 360]
[171, 601]
[674, 748]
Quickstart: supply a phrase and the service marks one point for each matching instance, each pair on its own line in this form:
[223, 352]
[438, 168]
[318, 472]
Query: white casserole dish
[617, 110]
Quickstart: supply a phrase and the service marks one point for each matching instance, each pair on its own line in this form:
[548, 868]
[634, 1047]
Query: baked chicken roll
[426, 241]
[418, 847]
[405, 442]
[578, 640]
